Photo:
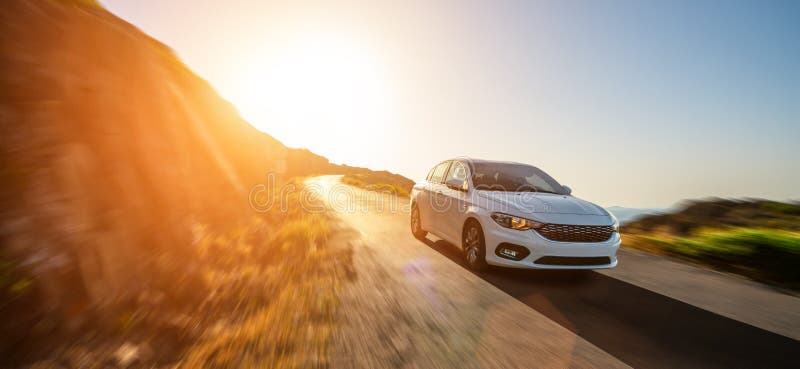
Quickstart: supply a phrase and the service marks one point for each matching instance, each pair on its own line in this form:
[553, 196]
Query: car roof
[476, 160]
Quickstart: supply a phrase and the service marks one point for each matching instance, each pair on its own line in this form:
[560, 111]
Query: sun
[317, 92]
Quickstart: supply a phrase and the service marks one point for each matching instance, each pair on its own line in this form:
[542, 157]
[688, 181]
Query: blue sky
[630, 103]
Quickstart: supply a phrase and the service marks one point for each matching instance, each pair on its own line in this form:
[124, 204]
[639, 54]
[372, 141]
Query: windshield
[513, 178]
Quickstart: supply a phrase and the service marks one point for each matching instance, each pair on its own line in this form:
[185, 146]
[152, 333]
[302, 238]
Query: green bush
[792, 209]
[767, 255]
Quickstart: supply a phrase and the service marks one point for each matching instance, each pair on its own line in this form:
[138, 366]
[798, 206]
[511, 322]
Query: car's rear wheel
[474, 246]
[416, 223]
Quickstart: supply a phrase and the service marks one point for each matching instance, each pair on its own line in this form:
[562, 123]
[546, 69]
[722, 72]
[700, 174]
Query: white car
[513, 215]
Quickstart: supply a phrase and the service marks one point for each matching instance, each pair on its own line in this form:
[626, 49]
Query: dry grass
[375, 182]
[259, 294]
[273, 302]
[284, 300]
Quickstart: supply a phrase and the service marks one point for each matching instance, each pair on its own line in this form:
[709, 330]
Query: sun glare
[318, 92]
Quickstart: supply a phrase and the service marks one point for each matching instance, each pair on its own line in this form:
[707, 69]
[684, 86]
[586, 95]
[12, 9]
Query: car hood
[541, 203]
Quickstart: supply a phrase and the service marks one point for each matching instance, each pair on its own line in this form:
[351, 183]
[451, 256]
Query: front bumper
[570, 255]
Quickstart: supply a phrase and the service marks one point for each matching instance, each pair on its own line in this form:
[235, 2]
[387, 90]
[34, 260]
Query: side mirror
[566, 188]
[456, 184]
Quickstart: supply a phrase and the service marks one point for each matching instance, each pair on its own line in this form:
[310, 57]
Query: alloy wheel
[416, 224]
[415, 220]
[474, 248]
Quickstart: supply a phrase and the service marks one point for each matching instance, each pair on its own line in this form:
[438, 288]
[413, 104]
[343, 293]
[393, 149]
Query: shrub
[781, 207]
[766, 255]
[375, 181]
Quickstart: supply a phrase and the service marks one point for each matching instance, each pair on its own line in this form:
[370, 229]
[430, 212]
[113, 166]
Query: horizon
[638, 107]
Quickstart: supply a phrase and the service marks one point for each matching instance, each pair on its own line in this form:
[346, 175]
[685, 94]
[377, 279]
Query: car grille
[575, 233]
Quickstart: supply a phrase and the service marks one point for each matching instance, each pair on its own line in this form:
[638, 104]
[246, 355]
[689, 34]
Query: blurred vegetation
[18, 299]
[380, 182]
[259, 292]
[87, 3]
[757, 239]
[272, 302]
[13, 284]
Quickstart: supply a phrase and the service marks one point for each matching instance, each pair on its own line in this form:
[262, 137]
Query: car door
[456, 202]
[430, 206]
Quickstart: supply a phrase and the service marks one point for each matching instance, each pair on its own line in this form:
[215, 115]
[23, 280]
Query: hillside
[382, 181]
[117, 164]
[108, 137]
[716, 213]
[758, 239]
[625, 215]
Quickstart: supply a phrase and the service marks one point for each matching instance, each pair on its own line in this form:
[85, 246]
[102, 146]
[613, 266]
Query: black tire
[416, 224]
[474, 246]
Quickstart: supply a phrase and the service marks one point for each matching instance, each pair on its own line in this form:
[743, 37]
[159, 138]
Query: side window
[438, 172]
[457, 171]
[430, 174]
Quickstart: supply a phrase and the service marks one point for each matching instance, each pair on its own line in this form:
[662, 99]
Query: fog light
[510, 251]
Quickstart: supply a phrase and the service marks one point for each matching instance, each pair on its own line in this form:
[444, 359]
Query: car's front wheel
[416, 223]
[474, 246]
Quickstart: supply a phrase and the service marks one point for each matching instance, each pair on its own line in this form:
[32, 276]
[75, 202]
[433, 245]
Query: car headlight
[510, 221]
[615, 226]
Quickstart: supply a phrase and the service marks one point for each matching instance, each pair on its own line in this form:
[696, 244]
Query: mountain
[625, 215]
[693, 215]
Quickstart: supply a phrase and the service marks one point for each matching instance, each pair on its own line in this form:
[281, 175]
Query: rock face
[110, 149]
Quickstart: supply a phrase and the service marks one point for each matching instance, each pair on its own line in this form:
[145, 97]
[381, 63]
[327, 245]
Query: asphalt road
[642, 328]
[615, 323]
